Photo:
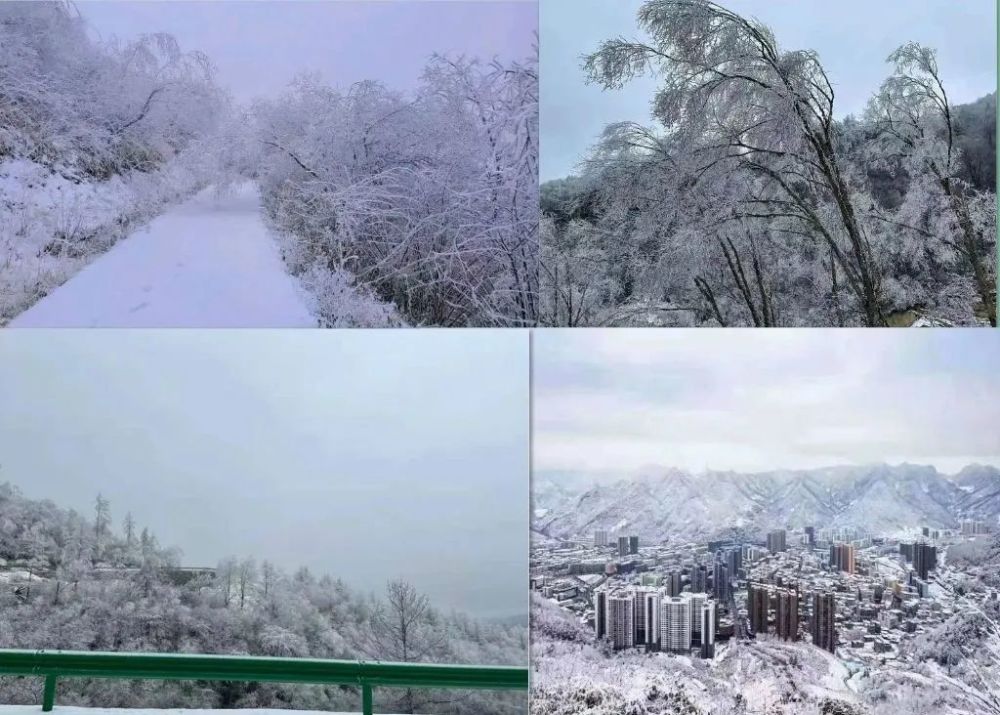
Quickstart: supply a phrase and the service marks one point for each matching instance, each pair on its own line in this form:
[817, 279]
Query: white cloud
[617, 400]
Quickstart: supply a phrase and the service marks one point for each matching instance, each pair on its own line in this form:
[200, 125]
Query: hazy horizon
[259, 46]
[367, 455]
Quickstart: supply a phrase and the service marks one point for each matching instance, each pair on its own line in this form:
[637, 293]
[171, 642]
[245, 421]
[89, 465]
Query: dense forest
[77, 583]
[747, 202]
[391, 208]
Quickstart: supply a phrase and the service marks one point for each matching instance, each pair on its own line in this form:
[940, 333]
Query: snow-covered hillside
[677, 503]
[572, 675]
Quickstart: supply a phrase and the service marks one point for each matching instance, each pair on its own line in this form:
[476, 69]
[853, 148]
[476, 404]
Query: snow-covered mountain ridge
[674, 502]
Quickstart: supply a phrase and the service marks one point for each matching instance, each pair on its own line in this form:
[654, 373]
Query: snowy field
[207, 263]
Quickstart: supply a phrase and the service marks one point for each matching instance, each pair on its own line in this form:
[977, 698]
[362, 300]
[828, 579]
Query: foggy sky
[853, 38]
[368, 455]
[614, 402]
[259, 46]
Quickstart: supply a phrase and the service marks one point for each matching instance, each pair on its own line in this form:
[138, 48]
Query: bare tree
[102, 524]
[225, 576]
[401, 629]
[246, 576]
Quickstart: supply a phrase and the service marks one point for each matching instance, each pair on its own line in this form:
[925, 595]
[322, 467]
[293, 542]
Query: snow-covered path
[208, 263]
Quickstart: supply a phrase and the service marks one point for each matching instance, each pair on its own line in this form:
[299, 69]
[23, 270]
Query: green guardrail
[52, 665]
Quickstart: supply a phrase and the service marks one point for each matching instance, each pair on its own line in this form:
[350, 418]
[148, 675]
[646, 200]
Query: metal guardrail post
[366, 699]
[49, 693]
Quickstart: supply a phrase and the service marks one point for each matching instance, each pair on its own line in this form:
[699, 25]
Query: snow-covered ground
[68, 710]
[207, 263]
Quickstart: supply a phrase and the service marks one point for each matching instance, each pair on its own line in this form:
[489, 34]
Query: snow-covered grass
[53, 223]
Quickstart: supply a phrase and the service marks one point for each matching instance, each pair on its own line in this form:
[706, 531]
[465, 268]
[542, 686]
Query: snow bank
[52, 223]
[206, 263]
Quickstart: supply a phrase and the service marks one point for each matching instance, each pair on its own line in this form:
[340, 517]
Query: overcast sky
[258, 46]
[368, 455]
[614, 402]
[853, 38]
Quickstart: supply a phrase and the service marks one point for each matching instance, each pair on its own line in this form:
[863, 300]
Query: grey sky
[259, 46]
[610, 403]
[853, 38]
[368, 455]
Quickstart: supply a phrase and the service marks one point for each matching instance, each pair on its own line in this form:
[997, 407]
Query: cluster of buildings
[651, 618]
[779, 610]
[974, 528]
[841, 590]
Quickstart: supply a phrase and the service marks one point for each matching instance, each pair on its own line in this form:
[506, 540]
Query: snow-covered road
[207, 263]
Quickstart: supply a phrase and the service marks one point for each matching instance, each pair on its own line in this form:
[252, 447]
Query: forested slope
[69, 582]
[746, 200]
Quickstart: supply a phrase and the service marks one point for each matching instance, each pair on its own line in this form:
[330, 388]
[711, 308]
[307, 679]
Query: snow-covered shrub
[431, 200]
[340, 303]
[99, 588]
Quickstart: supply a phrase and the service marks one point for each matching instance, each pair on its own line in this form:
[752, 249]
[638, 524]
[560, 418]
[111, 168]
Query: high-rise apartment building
[811, 535]
[974, 528]
[842, 557]
[674, 583]
[623, 546]
[823, 620]
[651, 611]
[787, 614]
[707, 616]
[697, 601]
[600, 613]
[621, 620]
[601, 537]
[675, 624]
[734, 561]
[642, 623]
[721, 582]
[699, 579]
[776, 541]
[758, 607]
[924, 559]
[633, 544]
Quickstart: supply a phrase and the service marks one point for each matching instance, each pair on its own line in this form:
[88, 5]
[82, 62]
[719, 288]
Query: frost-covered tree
[746, 202]
[156, 609]
[423, 207]
[917, 123]
[746, 106]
